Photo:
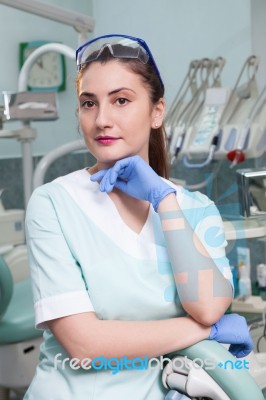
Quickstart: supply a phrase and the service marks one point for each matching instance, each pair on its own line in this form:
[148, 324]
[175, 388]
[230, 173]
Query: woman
[119, 265]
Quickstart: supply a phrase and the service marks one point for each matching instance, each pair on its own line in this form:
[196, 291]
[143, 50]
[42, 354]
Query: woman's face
[116, 113]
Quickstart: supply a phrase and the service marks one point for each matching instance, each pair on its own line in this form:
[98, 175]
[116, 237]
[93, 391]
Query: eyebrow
[88, 94]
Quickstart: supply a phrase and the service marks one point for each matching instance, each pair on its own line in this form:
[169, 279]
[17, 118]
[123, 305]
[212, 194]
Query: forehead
[109, 75]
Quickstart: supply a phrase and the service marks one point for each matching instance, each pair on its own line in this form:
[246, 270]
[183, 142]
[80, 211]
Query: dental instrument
[238, 130]
[237, 156]
[239, 107]
[210, 129]
[248, 90]
[184, 129]
[178, 105]
[189, 112]
[206, 138]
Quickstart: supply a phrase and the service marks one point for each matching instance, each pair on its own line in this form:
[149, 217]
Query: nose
[103, 118]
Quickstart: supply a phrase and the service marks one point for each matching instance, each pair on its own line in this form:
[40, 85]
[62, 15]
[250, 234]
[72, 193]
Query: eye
[87, 104]
[122, 101]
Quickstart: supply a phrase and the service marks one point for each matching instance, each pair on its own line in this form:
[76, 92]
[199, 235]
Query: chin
[112, 159]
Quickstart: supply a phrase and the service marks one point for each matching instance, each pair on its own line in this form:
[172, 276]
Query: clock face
[48, 71]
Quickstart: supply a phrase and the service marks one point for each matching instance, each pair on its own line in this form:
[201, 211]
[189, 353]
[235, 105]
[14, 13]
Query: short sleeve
[58, 286]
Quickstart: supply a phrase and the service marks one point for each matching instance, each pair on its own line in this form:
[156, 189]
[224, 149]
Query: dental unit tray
[230, 124]
[251, 304]
[30, 106]
[224, 118]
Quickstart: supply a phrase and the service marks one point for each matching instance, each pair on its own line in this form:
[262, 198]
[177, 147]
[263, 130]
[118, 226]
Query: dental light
[80, 22]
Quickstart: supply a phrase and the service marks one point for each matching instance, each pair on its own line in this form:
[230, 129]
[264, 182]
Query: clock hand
[47, 70]
[40, 63]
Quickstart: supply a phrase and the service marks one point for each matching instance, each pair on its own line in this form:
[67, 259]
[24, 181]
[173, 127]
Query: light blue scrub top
[83, 257]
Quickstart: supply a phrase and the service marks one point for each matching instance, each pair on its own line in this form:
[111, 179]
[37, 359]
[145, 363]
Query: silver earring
[156, 124]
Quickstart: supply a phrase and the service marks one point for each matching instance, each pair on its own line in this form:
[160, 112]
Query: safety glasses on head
[119, 46]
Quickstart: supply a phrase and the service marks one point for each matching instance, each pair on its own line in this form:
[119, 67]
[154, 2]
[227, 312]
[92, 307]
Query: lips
[106, 139]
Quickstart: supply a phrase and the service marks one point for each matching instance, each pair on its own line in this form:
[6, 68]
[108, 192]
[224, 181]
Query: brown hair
[158, 158]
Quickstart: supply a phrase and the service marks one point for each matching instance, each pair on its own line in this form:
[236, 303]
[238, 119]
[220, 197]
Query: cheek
[143, 122]
[85, 123]
[141, 117]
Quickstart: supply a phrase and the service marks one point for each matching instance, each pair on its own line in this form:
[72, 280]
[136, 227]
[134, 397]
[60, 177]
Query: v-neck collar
[122, 221]
[109, 203]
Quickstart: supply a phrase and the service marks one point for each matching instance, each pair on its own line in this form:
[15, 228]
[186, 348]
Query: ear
[158, 113]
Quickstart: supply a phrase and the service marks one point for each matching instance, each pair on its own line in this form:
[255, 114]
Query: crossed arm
[204, 292]
[84, 335]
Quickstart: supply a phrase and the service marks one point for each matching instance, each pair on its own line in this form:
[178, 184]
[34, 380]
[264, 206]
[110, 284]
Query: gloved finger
[105, 184]
[117, 171]
[235, 349]
[98, 175]
[241, 350]
[124, 167]
[103, 178]
[121, 185]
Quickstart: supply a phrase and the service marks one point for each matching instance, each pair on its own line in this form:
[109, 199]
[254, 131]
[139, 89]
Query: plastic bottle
[261, 276]
[235, 279]
[244, 283]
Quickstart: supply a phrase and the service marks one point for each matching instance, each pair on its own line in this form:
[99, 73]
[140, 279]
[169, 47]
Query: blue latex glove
[133, 176]
[232, 329]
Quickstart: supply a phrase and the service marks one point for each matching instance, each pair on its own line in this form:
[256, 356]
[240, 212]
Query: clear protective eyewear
[130, 47]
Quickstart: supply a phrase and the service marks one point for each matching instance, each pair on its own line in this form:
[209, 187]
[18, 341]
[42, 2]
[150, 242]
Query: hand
[233, 329]
[133, 176]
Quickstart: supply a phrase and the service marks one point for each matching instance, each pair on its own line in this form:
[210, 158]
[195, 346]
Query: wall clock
[48, 72]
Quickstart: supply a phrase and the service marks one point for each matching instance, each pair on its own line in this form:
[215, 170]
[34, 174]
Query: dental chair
[226, 378]
[19, 340]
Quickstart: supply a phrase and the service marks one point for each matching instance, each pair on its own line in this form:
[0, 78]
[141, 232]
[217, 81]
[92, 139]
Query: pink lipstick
[106, 140]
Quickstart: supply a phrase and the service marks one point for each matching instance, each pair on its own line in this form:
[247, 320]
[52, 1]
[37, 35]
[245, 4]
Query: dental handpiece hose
[214, 144]
[179, 142]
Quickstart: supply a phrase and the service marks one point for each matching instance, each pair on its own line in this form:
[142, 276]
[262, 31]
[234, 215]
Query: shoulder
[188, 199]
[58, 189]
[71, 181]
